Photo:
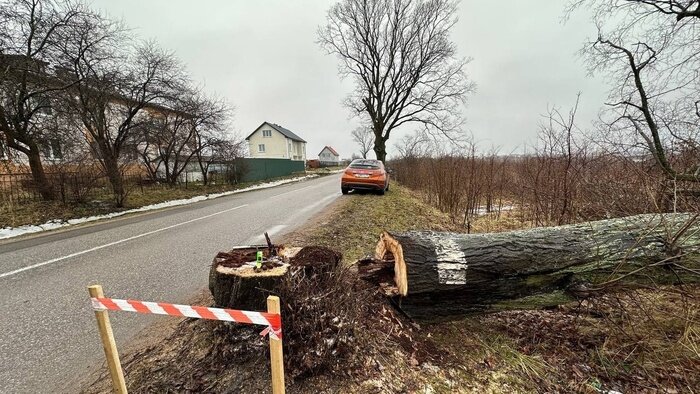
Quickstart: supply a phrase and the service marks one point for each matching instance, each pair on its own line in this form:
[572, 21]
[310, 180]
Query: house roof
[330, 149]
[285, 132]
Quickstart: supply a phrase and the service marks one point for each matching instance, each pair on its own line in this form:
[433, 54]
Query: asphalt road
[48, 334]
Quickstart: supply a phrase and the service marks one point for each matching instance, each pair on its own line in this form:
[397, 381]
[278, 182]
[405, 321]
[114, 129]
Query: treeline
[76, 88]
[560, 181]
[547, 190]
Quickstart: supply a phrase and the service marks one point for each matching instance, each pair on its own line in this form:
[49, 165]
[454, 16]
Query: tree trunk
[111, 167]
[44, 187]
[380, 148]
[203, 169]
[442, 276]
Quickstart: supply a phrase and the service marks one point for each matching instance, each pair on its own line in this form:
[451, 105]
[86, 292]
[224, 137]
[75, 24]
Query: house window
[267, 133]
[52, 149]
[261, 147]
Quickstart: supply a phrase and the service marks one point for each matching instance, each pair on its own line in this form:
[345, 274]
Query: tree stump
[234, 282]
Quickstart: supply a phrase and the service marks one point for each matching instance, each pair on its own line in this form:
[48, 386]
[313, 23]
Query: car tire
[381, 192]
[344, 190]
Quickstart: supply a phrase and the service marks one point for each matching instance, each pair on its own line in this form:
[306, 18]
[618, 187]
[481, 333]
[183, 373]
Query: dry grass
[356, 222]
[39, 212]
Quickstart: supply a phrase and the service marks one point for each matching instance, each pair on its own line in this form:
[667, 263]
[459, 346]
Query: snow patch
[10, 232]
[481, 210]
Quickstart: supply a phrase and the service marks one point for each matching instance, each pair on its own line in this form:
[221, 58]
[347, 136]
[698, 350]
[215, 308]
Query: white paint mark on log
[452, 264]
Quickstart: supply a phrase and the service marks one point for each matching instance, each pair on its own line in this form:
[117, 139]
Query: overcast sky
[263, 57]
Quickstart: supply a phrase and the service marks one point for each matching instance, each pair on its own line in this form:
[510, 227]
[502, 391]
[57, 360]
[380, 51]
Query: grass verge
[40, 212]
[354, 224]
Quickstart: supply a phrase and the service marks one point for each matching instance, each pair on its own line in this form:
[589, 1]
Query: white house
[271, 140]
[329, 157]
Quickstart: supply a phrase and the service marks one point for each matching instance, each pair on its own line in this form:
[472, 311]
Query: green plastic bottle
[258, 259]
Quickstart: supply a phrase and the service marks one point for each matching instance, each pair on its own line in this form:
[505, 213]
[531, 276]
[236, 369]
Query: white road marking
[317, 203]
[292, 191]
[57, 259]
[258, 239]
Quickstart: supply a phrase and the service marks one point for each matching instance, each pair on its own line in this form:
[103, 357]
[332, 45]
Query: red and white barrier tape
[273, 321]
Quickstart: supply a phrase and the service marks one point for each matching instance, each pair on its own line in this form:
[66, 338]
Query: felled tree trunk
[442, 276]
[235, 283]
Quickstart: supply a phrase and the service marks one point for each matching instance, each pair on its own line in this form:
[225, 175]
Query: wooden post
[109, 345]
[276, 358]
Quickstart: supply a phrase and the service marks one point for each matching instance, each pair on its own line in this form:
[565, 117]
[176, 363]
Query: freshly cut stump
[235, 283]
[442, 276]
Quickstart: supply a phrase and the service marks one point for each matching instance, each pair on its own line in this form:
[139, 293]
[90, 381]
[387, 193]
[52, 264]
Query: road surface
[48, 334]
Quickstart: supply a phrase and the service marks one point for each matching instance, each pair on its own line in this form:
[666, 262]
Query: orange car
[365, 174]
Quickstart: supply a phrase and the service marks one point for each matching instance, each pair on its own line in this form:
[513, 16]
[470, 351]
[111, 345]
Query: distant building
[329, 157]
[273, 141]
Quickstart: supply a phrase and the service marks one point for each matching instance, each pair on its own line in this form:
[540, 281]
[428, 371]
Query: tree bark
[380, 148]
[442, 276]
[111, 167]
[43, 185]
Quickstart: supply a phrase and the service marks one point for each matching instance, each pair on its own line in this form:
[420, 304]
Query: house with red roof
[328, 156]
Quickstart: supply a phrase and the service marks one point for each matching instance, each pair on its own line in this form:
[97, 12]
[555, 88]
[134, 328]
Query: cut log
[235, 282]
[443, 276]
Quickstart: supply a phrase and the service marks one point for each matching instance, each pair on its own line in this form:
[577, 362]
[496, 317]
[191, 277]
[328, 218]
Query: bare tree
[680, 9]
[650, 51]
[405, 68]
[118, 88]
[212, 116]
[414, 145]
[183, 131]
[225, 154]
[30, 33]
[148, 147]
[363, 136]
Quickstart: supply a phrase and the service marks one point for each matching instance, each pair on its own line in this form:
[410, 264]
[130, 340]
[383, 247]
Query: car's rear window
[365, 164]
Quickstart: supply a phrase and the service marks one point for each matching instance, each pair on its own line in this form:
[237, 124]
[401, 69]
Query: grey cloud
[262, 56]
